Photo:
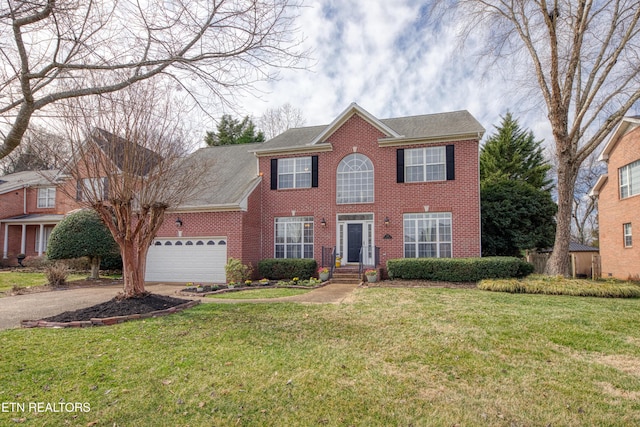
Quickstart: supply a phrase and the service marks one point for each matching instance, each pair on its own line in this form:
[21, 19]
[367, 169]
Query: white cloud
[384, 56]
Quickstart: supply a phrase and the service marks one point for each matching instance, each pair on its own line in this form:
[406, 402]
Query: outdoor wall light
[323, 222]
[178, 223]
[386, 221]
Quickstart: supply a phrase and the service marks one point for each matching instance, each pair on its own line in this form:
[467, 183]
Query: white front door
[355, 235]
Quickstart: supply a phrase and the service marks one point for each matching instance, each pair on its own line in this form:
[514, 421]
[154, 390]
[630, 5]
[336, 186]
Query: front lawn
[9, 279]
[260, 293]
[437, 357]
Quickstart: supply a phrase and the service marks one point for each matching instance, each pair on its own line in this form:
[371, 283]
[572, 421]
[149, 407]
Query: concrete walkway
[44, 304]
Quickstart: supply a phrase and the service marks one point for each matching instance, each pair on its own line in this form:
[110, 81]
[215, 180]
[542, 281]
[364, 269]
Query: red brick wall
[460, 197]
[618, 261]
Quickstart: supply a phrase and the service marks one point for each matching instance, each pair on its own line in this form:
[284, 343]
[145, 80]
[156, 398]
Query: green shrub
[281, 268]
[237, 272]
[458, 269]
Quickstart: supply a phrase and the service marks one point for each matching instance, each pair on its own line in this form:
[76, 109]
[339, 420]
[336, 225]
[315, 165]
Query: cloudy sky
[384, 56]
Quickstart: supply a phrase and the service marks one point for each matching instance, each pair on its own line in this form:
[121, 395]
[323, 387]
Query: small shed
[585, 260]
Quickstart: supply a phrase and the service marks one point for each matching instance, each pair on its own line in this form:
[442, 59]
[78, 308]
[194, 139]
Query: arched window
[355, 179]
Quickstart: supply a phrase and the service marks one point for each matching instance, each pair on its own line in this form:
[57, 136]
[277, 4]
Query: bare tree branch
[61, 49]
[128, 165]
[583, 54]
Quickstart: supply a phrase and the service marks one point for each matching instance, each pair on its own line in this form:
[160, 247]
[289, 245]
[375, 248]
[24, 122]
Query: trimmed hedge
[458, 269]
[281, 268]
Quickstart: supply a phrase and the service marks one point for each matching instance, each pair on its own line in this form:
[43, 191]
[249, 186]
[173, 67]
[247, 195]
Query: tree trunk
[558, 263]
[95, 268]
[133, 269]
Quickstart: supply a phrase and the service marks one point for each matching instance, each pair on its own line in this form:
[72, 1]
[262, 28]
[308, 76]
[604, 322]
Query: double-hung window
[427, 235]
[425, 164]
[630, 179]
[92, 189]
[628, 236]
[46, 197]
[294, 173]
[294, 237]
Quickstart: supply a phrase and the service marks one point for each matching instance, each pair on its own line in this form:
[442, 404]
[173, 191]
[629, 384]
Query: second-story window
[630, 179]
[294, 173]
[355, 179]
[89, 189]
[47, 197]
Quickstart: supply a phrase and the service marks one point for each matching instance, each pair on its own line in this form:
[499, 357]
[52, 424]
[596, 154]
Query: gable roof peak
[626, 124]
[350, 111]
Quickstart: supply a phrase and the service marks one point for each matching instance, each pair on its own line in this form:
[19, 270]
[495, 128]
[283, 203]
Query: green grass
[9, 279]
[260, 293]
[394, 357]
[556, 285]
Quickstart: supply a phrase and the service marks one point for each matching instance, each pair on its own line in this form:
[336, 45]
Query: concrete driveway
[44, 304]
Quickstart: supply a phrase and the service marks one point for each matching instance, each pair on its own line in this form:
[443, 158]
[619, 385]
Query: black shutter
[79, 190]
[274, 174]
[314, 171]
[400, 165]
[451, 164]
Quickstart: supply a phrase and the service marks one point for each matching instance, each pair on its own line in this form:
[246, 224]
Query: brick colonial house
[362, 186]
[618, 193]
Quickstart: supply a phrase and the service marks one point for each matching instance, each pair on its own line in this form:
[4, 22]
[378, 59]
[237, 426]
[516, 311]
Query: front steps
[346, 275]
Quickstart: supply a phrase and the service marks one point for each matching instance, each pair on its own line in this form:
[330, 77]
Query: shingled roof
[23, 179]
[121, 151]
[233, 172]
[440, 126]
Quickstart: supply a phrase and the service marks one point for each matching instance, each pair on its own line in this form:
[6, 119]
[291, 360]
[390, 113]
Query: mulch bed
[119, 307]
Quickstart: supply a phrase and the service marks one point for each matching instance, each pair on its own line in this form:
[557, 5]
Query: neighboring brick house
[618, 193]
[30, 206]
[390, 188]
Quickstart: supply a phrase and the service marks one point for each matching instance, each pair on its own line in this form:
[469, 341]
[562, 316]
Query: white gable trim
[346, 115]
[602, 180]
[626, 124]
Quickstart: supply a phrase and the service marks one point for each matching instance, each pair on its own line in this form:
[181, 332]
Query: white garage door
[197, 260]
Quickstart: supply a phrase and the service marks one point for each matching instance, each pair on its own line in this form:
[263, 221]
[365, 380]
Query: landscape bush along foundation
[105, 321]
[286, 268]
[458, 269]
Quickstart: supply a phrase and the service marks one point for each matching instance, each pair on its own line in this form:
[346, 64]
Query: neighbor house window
[355, 179]
[630, 179]
[91, 189]
[628, 237]
[425, 164]
[294, 237]
[294, 173]
[46, 197]
[427, 235]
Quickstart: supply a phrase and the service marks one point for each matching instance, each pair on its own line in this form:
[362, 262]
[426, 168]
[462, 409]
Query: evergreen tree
[513, 154]
[518, 212]
[232, 131]
[515, 217]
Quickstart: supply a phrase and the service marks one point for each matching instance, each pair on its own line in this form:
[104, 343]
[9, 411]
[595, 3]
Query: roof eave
[602, 180]
[393, 142]
[300, 149]
[618, 133]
